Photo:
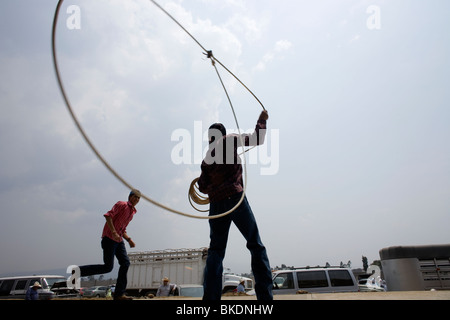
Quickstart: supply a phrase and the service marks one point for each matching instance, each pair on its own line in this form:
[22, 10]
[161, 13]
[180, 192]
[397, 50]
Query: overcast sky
[357, 156]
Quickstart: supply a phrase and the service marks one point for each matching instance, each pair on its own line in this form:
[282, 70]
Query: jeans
[111, 248]
[245, 221]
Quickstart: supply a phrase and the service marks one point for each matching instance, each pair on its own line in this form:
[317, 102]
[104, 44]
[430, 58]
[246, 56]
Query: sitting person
[166, 288]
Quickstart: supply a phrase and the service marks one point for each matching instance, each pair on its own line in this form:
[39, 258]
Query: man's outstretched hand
[264, 115]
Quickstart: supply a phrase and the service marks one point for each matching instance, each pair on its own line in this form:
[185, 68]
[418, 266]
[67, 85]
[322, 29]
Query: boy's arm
[111, 227]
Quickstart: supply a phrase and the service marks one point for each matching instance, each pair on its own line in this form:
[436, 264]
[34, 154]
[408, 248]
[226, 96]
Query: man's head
[134, 197]
[216, 131]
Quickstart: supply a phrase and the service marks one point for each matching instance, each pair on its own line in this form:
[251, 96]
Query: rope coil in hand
[196, 197]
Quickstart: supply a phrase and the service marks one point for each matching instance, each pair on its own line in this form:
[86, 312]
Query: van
[189, 290]
[322, 280]
[16, 287]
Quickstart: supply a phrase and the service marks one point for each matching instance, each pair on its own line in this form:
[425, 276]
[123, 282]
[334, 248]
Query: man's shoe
[123, 297]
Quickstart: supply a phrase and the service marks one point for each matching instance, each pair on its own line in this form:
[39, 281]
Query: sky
[356, 157]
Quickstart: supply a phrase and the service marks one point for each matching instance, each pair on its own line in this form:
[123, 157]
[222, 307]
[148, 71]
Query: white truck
[183, 267]
[230, 281]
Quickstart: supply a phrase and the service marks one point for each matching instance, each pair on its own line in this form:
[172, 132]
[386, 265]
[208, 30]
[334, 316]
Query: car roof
[311, 269]
[190, 285]
[33, 277]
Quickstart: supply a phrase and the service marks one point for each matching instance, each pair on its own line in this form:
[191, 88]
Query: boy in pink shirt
[114, 231]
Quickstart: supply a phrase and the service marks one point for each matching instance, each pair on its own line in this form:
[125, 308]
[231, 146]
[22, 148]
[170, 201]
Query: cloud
[355, 38]
[276, 53]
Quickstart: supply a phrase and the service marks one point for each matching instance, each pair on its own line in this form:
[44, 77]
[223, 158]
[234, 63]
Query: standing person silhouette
[221, 179]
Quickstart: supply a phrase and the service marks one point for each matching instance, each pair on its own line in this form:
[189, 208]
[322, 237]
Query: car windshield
[192, 292]
[51, 281]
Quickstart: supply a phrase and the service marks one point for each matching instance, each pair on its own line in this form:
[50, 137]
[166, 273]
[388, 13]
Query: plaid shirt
[221, 175]
[121, 213]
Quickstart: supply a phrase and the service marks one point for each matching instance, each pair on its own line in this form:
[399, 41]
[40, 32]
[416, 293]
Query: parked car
[189, 290]
[97, 291]
[16, 287]
[62, 291]
[314, 280]
[369, 285]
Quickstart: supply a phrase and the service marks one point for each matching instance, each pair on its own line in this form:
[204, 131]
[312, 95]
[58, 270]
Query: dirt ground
[393, 295]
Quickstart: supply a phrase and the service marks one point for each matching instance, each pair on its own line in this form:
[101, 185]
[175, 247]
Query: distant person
[221, 179]
[241, 288]
[166, 288]
[114, 231]
[383, 285]
[32, 292]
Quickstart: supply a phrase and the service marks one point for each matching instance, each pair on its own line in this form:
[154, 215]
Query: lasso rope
[196, 196]
[102, 159]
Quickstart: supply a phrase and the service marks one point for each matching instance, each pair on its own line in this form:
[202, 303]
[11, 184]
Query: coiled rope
[195, 195]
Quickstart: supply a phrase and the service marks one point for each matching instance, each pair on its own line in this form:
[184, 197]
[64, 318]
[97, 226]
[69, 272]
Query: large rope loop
[194, 195]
